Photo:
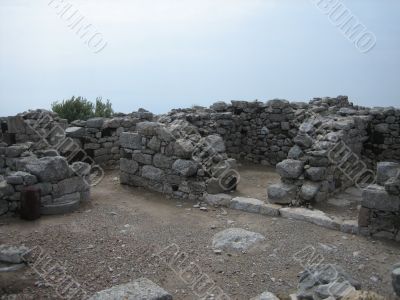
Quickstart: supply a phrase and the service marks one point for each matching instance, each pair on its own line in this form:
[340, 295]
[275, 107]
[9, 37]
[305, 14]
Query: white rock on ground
[140, 289]
[312, 216]
[236, 239]
[265, 296]
[12, 254]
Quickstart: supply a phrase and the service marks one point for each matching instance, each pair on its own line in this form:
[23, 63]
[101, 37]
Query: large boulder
[128, 165]
[131, 140]
[75, 132]
[236, 239]
[290, 168]
[309, 190]
[140, 289]
[47, 169]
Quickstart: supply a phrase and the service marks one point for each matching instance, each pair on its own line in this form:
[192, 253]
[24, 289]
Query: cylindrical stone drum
[30, 203]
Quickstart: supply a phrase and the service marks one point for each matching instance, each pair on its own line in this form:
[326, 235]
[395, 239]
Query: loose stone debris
[236, 239]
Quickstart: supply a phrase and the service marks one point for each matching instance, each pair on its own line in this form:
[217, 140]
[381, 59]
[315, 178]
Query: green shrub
[80, 108]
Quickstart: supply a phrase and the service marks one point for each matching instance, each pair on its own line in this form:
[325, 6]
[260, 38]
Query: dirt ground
[111, 240]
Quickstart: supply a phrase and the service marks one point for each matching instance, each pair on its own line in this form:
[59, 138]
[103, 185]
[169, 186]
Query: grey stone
[183, 148]
[349, 226]
[5, 189]
[21, 177]
[185, 168]
[271, 210]
[95, 122]
[295, 152]
[316, 173]
[214, 186]
[69, 186]
[67, 198]
[337, 290]
[312, 216]
[290, 168]
[75, 132]
[154, 144]
[51, 169]
[396, 281]
[386, 170]
[303, 140]
[246, 204]
[16, 124]
[152, 173]
[60, 208]
[216, 143]
[140, 289]
[131, 140]
[265, 296]
[16, 150]
[392, 186]
[309, 190]
[142, 158]
[218, 199]
[219, 106]
[281, 193]
[162, 161]
[148, 128]
[375, 197]
[12, 254]
[236, 239]
[3, 206]
[128, 165]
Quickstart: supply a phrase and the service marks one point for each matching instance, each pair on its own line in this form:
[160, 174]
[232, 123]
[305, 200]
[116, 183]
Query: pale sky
[164, 54]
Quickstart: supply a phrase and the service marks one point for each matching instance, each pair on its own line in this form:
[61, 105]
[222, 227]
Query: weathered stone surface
[214, 186]
[271, 210]
[154, 144]
[75, 132]
[66, 198]
[12, 254]
[128, 165]
[142, 158]
[60, 208]
[3, 206]
[281, 193]
[218, 199]
[140, 289]
[236, 239]
[309, 190]
[290, 168]
[69, 186]
[316, 173]
[376, 197]
[147, 128]
[183, 148]
[349, 226]
[152, 173]
[131, 140]
[219, 106]
[295, 152]
[20, 177]
[95, 122]
[51, 169]
[312, 216]
[392, 186]
[246, 204]
[16, 150]
[185, 168]
[385, 170]
[216, 143]
[265, 296]
[303, 140]
[162, 161]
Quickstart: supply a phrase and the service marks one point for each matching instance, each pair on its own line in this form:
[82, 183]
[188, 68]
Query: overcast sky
[164, 54]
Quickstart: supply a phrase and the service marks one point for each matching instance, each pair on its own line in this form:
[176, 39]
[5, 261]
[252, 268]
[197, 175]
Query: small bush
[80, 108]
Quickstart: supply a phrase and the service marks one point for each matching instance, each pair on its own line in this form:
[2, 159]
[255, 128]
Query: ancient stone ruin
[319, 149]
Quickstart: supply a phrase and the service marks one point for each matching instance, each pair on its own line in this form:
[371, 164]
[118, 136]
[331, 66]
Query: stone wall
[174, 159]
[99, 137]
[63, 187]
[380, 208]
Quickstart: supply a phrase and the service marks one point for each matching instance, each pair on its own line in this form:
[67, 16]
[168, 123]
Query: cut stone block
[59, 208]
[218, 199]
[349, 226]
[75, 132]
[375, 197]
[312, 216]
[246, 204]
[140, 289]
[271, 210]
[281, 193]
[128, 165]
[131, 140]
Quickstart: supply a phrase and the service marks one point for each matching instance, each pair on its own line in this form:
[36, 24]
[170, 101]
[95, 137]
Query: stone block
[375, 197]
[128, 165]
[184, 167]
[131, 140]
[68, 198]
[316, 173]
[142, 158]
[12, 254]
[271, 210]
[349, 226]
[162, 161]
[75, 132]
[69, 186]
[95, 122]
[218, 199]
[152, 173]
[47, 169]
[309, 190]
[312, 216]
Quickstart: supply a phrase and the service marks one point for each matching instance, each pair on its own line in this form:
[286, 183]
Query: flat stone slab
[218, 199]
[236, 239]
[312, 216]
[252, 205]
[59, 208]
[140, 289]
[12, 254]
